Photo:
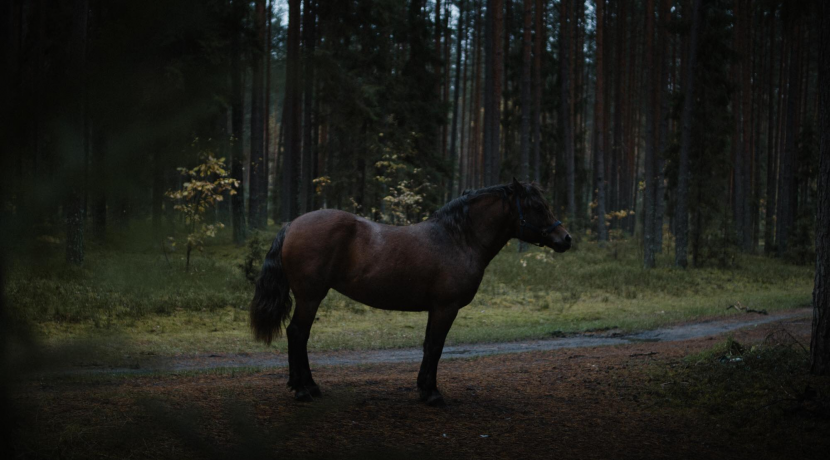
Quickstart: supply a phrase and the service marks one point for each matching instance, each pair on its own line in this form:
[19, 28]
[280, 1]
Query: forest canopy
[389, 108]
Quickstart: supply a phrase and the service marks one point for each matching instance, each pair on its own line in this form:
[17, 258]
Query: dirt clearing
[584, 403]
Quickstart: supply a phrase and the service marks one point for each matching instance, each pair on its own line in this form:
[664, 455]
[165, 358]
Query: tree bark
[786, 213]
[649, 221]
[240, 229]
[682, 208]
[309, 39]
[537, 91]
[820, 341]
[498, 71]
[73, 141]
[662, 117]
[290, 168]
[524, 148]
[769, 229]
[258, 179]
[457, 88]
[599, 114]
[565, 107]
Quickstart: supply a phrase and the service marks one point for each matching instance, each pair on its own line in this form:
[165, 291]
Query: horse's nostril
[568, 239]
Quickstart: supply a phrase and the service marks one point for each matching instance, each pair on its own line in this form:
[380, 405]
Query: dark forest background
[688, 123]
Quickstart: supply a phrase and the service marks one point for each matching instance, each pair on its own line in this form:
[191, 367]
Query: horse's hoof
[303, 396]
[314, 390]
[436, 400]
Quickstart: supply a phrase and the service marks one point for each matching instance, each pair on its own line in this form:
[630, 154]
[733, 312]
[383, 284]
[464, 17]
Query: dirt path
[686, 331]
[529, 400]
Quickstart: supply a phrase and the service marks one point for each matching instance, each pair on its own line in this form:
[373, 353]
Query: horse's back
[380, 265]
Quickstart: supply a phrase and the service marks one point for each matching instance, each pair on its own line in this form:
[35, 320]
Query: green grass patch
[126, 301]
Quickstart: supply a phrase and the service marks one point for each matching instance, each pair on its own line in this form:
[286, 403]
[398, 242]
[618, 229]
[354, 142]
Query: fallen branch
[740, 307]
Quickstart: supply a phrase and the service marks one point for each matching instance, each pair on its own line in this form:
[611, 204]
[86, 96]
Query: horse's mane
[455, 215]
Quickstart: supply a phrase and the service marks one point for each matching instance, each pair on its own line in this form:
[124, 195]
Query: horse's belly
[386, 297]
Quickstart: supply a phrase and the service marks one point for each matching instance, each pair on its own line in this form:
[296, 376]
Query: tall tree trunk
[489, 70]
[564, 107]
[537, 91]
[240, 229]
[745, 236]
[524, 148]
[267, 122]
[820, 341]
[73, 140]
[309, 39]
[599, 115]
[769, 228]
[456, 91]
[617, 148]
[786, 213]
[650, 205]
[293, 122]
[498, 71]
[682, 208]
[462, 152]
[258, 178]
[475, 112]
[663, 116]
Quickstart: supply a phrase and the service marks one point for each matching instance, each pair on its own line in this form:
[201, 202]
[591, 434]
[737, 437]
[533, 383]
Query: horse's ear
[517, 187]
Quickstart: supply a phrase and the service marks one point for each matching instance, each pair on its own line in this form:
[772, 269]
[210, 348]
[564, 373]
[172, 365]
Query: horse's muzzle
[562, 245]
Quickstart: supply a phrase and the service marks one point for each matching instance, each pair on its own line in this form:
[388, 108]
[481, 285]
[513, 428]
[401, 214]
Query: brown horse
[434, 266]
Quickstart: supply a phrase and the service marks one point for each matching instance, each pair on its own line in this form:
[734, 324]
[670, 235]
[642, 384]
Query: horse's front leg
[438, 325]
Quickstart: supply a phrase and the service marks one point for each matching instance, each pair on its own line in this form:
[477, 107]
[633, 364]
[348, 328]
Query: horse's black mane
[455, 215]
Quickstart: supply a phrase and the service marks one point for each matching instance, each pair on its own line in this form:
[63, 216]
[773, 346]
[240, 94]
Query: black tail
[272, 303]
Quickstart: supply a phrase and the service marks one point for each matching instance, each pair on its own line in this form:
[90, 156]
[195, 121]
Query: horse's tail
[272, 303]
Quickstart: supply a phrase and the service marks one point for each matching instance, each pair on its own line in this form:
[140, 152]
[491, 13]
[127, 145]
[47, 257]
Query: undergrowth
[132, 286]
[762, 392]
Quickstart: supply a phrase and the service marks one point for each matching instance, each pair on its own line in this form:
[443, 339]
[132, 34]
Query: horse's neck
[492, 223]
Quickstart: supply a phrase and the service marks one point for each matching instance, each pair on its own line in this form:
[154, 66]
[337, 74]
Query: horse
[435, 266]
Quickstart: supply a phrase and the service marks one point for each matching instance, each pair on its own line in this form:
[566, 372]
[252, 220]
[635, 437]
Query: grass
[761, 394]
[129, 299]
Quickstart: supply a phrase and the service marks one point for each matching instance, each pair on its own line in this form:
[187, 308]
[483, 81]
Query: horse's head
[536, 223]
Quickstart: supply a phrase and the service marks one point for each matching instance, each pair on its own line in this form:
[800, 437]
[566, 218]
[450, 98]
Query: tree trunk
[73, 141]
[786, 213]
[475, 112]
[537, 91]
[650, 205]
[267, 122]
[663, 116]
[309, 39]
[524, 147]
[489, 89]
[457, 88]
[682, 208]
[564, 107]
[498, 71]
[769, 228]
[462, 155]
[258, 179]
[820, 341]
[599, 115]
[240, 230]
[290, 168]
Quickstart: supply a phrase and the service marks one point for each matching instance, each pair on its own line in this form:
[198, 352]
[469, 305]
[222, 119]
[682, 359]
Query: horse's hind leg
[297, 332]
[439, 324]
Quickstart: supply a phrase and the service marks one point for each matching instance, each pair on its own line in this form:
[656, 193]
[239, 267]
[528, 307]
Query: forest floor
[698, 397]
